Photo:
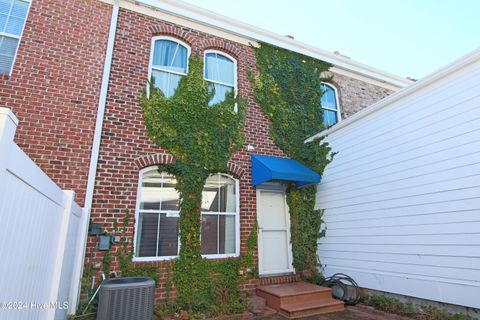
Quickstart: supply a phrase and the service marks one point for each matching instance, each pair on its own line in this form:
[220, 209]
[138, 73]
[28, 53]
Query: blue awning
[266, 168]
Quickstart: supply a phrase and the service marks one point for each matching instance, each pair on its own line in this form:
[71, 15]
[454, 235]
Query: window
[13, 14]
[330, 107]
[169, 63]
[220, 72]
[158, 213]
[219, 214]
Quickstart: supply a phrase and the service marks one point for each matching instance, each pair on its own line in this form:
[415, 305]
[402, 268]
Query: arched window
[169, 63]
[330, 105]
[220, 72]
[158, 213]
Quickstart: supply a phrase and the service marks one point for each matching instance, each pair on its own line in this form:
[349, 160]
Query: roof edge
[441, 73]
[209, 18]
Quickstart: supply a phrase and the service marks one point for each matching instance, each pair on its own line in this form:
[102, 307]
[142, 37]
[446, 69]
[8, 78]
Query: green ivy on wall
[124, 254]
[201, 138]
[287, 88]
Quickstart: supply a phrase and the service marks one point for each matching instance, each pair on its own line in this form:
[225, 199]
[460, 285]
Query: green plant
[315, 277]
[124, 254]
[248, 259]
[389, 304]
[394, 305]
[305, 226]
[87, 280]
[211, 287]
[168, 287]
[287, 88]
[106, 264]
[201, 138]
[432, 313]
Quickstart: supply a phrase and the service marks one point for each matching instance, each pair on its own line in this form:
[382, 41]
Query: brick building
[74, 78]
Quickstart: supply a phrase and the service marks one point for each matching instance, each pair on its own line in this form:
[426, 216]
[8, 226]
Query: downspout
[94, 155]
[101, 109]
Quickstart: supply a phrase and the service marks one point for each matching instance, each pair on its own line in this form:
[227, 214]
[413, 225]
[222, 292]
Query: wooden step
[307, 309]
[282, 294]
[299, 299]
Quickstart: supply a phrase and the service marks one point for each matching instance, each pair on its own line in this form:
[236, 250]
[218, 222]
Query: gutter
[220, 22]
[440, 74]
[92, 172]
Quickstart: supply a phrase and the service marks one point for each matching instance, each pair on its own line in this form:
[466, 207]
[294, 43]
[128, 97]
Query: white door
[274, 249]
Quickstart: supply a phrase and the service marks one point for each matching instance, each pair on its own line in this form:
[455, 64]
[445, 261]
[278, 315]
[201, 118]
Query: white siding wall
[41, 236]
[402, 196]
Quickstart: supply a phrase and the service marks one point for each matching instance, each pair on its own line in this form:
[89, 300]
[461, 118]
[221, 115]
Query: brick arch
[333, 83]
[221, 45]
[236, 169]
[153, 159]
[165, 158]
[173, 31]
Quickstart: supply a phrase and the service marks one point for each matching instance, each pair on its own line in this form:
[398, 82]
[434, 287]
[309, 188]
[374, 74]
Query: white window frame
[337, 101]
[152, 52]
[235, 80]
[9, 35]
[208, 256]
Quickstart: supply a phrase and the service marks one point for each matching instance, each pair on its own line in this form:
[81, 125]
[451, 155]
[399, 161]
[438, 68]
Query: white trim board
[226, 27]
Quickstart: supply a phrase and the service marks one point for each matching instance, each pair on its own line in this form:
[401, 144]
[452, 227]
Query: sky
[409, 38]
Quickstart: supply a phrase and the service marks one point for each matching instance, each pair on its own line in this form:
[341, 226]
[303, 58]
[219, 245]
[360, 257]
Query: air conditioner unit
[126, 299]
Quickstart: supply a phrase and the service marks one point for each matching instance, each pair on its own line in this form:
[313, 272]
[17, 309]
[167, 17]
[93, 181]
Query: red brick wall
[125, 144]
[55, 85]
[54, 90]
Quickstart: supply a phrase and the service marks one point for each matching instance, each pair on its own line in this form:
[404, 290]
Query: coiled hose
[343, 288]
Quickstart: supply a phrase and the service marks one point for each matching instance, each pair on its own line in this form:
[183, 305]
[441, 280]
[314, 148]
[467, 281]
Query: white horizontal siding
[402, 196]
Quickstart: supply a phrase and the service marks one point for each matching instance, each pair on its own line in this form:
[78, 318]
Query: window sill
[209, 256]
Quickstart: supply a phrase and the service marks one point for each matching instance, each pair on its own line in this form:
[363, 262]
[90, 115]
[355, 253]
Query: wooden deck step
[307, 309]
[299, 299]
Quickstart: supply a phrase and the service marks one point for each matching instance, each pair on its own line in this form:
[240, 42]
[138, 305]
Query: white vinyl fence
[402, 196]
[42, 235]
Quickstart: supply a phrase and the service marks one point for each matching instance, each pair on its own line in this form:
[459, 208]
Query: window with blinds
[13, 14]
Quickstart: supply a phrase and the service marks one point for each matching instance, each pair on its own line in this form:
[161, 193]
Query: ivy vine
[124, 254]
[287, 88]
[201, 138]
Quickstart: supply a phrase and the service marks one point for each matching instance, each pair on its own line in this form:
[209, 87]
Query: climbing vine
[124, 253]
[287, 88]
[201, 138]
[305, 223]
